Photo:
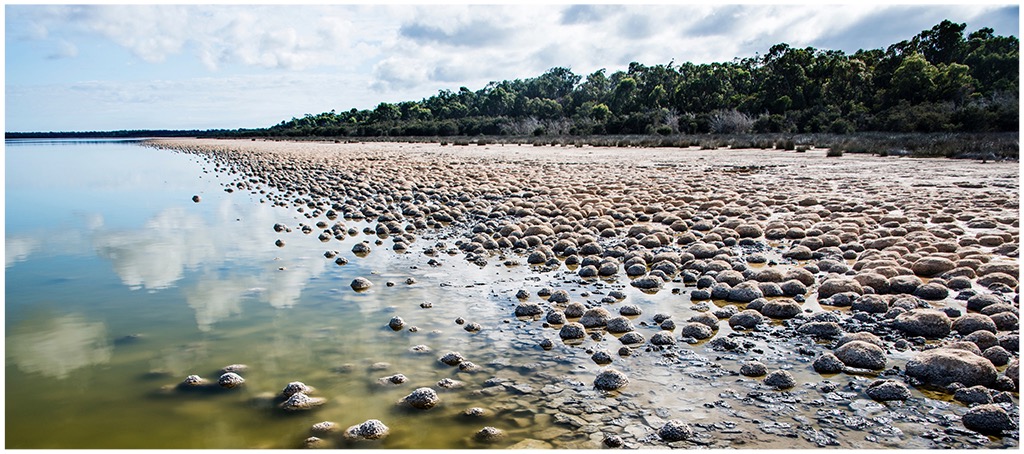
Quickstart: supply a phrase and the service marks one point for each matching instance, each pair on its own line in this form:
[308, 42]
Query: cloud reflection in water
[56, 346]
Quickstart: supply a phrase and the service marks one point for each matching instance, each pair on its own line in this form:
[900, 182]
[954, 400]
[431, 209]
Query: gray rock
[301, 402]
[556, 317]
[828, 363]
[675, 430]
[932, 266]
[942, 366]
[619, 325]
[696, 330]
[838, 285]
[904, 284]
[988, 419]
[371, 429]
[632, 338]
[983, 339]
[859, 336]
[422, 398]
[595, 318]
[861, 355]
[490, 434]
[1005, 321]
[929, 323]
[528, 309]
[753, 369]
[969, 323]
[452, 358]
[780, 379]
[230, 380]
[745, 292]
[820, 329]
[572, 330]
[630, 310]
[360, 284]
[396, 323]
[997, 355]
[973, 395]
[295, 387]
[748, 318]
[610, 380]
[781, 309]
[888, 390]
[575, 310]
[980, 301]
[871, 304]
[663, 338]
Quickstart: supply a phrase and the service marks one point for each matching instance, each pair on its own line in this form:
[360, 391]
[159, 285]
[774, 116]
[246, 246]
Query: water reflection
[18, 248]
[215, 300]
[56, 346]
[156, 256]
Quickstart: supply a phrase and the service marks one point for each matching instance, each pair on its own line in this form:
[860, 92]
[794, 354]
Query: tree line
[941, 80]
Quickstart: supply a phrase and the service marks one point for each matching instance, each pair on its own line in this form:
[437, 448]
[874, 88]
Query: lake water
[118, 286]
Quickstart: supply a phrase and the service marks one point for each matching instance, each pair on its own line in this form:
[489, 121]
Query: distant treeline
[124, 134]
[940, 81]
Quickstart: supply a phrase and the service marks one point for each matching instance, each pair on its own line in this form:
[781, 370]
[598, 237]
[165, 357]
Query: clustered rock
[935, 271]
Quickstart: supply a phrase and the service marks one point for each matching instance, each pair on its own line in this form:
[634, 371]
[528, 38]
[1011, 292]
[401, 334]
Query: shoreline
[800, 246]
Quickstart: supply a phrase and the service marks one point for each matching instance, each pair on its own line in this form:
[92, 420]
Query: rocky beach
[796, 300]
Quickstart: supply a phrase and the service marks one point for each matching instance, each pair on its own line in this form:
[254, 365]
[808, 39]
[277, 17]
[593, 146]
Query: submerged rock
[888, 390]
[422, 398]
[489, 434]
[371, 429]
[230, 380]
[302, 402]
[360, 284]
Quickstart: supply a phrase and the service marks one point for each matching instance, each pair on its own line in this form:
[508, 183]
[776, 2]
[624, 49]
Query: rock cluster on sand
[916, 253]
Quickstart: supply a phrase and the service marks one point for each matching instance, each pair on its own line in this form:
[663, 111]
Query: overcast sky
[109, 67]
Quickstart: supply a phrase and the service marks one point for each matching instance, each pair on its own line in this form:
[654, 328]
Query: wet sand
[796, 261]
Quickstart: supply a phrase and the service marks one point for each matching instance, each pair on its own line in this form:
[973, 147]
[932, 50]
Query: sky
[187, 66]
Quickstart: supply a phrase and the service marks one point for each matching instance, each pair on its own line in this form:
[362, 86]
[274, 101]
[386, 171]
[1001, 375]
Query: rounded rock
[969, 323]
[942, 366]
[572, 330]
[780, 379]
[302, 402]
[888, 390]
[422, 398]
[988, 419]
[371, 429]
[748, 318]
[861, 355]
[610, 380]
[781, 309]
[828, 363]
[930, 323]
[675, 430]
[230, 380]
[753, 369]
[489, 434]
[360, 284]
[695, 330]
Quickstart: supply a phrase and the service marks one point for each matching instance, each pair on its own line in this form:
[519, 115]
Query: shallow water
[118, 286]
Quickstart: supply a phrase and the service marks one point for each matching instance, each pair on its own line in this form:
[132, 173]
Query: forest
[943, 92]
[941, 80]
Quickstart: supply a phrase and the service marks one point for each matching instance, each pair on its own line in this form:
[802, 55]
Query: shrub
[834, 153]
[664, 130]
[802, 148]
[730, 122]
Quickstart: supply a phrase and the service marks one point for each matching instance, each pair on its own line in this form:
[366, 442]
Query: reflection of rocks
[56, 346]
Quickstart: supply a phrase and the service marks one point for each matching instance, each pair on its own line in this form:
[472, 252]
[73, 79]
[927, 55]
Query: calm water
[118, 286]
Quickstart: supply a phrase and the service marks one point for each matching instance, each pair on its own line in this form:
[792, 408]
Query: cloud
[477, 33]
[18, 248]
[587, 14]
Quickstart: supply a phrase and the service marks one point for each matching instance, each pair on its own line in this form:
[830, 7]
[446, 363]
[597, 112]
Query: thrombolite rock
[988, 419]
[929, 323]
[888, 390]
[422, 399]
[610, 380]
[861, 355]
[371, 429]
[942, 366]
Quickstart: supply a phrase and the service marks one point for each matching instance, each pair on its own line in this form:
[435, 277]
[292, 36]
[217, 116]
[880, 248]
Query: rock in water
[988, 419]
[360, 283]
[861, 355]
[422, 398]
[888, 390]
[302, 402]
[372, 429]
[675, 430]
[489, 434]
[230, 380]
[610, 380]
[942, 366]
